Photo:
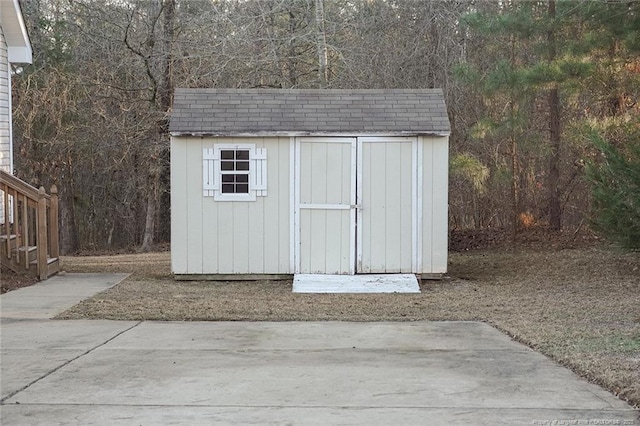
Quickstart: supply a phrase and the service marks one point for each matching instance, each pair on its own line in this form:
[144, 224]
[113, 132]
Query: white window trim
[212, 186]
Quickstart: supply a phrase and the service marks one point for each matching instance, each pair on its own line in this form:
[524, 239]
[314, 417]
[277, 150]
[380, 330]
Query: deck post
[42, 234]
[53, 223]
[7, 225]
[15, 213]
[25, 229]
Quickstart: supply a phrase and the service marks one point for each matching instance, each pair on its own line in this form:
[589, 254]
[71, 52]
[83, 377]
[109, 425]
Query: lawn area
[580, 307]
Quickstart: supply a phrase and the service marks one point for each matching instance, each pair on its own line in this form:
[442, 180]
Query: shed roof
[229, 112]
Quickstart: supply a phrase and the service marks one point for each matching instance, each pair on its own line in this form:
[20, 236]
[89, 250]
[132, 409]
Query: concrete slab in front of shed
[370, 283]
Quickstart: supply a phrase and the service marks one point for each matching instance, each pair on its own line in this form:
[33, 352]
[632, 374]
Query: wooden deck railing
[31, 219]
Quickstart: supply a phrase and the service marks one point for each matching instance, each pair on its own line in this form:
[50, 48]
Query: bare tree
[322, 45]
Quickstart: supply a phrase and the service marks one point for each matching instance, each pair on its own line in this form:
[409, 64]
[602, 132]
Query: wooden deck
[28, 228]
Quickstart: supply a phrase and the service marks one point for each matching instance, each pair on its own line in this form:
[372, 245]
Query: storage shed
[279, 182]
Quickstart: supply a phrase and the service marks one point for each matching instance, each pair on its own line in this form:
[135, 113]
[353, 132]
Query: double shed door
[355, 205]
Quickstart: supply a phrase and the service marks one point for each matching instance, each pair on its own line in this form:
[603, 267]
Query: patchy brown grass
[580, 306]
[155, 265]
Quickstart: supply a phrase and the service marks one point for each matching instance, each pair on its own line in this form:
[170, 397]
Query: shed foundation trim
[232, 277]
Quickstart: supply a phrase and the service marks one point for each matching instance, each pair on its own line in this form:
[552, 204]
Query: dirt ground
[9, 280]
[579, 306]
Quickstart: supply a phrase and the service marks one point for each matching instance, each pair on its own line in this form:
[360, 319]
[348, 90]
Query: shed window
[234, 172]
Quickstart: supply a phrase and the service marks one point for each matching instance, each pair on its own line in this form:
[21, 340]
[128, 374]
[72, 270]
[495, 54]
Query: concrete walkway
[48, 298]
[152, 373]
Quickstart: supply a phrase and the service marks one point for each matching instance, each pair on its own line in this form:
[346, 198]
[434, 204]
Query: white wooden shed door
[355, 205]
[326, 194]
[386, 172]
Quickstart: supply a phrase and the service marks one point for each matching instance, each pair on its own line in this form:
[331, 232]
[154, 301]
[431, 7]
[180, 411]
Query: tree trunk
[515, 202]
[321, 40]
[150, 220]
[515, 205]
[555, 212]
[166, 84]
[160, 171]
[292, 55]
[166, 100]
[69, 241]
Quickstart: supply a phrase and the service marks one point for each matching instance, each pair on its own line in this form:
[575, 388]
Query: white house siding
[5, 110]
[435, 176]
[229, 237]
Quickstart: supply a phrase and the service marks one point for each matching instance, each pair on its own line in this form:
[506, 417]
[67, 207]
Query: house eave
[15, 32]
[20, 55]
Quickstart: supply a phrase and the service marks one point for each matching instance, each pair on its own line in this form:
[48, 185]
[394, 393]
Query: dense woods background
[539, 93]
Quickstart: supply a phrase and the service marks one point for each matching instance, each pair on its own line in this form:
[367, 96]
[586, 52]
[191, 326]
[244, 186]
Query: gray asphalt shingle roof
[227, 112]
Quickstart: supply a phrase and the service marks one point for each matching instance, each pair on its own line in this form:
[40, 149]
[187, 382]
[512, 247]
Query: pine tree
[523, 76]
[612, 43]
[615, 183]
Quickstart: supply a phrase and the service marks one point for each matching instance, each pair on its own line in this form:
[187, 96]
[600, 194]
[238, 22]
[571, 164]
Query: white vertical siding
[179, 205]
[427, 204]
[227, 237]
[279, 206]
[441, 204]
[5, 107]
[196, 224]
[435, 204]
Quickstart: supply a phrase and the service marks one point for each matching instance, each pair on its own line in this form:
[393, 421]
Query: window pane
[234, 171]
